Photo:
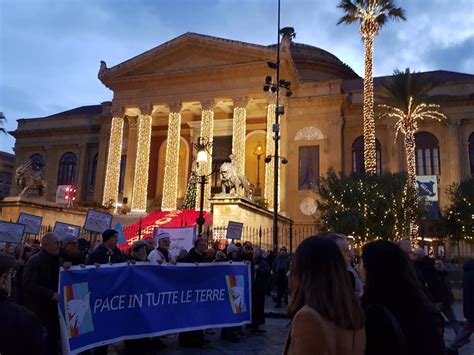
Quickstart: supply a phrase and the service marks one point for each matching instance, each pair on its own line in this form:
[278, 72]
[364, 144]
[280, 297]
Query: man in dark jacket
[466, 331]
[107, 252]
[70, 254]
[40, 283]
[442, 295]
[21, 331]
[195, 339]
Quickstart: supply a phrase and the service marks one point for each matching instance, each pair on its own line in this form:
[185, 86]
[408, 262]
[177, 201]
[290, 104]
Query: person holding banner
[40, 283]
[70, 254]
[162, 253]
[107, 252]
[21, 331]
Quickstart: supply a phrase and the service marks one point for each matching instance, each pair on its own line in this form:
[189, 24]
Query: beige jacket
[311, 334]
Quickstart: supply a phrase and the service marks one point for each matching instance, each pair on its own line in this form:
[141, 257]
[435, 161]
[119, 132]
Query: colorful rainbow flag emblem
[236, 291]
[78, 311]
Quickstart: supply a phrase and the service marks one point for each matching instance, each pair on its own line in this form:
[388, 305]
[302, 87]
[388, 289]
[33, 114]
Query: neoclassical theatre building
[137, 150]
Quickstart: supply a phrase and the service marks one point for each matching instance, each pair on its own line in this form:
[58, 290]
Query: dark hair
[198, 240]
[390, 278]
[319, 279]
[7, 262]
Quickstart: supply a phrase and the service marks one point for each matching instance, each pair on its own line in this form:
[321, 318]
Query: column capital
[117, 111]
[271, 98]
[208, 104]
[454, 123]
[146, 110]
[336, 121]
[240, 101]
[175, 106]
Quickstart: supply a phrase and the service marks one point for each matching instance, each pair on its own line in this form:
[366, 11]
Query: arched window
[67, 169]
[427, 154]
[358, 155]
[471, 154]
[37, 162]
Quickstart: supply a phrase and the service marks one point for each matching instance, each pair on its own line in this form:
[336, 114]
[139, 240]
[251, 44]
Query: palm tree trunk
[370, 155]
[411, 182]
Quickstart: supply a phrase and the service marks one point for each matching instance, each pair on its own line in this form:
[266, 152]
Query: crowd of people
[396, 300]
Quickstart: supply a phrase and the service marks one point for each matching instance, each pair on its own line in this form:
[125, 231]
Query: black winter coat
[40, 282]
[21, 331]
[101, 254]
[468, 289]
[439, 288]
[194, 257]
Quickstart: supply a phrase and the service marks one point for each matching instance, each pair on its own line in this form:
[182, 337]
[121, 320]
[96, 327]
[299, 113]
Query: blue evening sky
[50, 50]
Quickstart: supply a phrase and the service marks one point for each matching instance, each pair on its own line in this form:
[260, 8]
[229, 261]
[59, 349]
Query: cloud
[52, 49]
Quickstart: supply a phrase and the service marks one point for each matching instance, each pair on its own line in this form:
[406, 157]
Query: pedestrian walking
[400, 319]
[326, 315]
[261, 277]
[281, 266]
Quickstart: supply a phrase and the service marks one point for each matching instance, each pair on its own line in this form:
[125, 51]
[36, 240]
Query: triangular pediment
[186, 53]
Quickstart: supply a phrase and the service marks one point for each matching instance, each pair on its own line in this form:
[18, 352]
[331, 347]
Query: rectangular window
[419, 162]
[428, 165]
[435, 161]
[308, 167]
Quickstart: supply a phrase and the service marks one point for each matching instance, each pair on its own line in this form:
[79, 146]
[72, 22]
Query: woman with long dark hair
[400, 319]
[326, 316]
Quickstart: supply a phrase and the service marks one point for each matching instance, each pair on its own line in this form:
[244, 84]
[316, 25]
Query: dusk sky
[51, 49]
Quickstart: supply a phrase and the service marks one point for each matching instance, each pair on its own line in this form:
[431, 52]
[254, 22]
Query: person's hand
[67, 265]
[159, 262]
[133, 262]
[83, 266]
[56, 297]
[97, 265]
[173, 262]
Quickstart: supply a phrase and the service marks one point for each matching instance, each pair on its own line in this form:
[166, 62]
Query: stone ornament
[28, 179]
[309, 134]
[233, 183]
[308, 206]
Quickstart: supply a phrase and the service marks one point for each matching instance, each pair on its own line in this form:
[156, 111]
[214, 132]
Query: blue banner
[104, 305]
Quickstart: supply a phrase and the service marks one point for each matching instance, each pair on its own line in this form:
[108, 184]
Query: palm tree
[405, 98]
[372, 15]
[2, 120]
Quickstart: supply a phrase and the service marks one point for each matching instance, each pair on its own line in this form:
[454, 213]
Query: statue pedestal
[240, 209]
[10, 208]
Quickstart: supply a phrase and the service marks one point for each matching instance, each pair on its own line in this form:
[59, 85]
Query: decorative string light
[270, 150]
[140, 182]
[238, 135]
[407, 124]
[170, 185]
[112, 171]
[207, 132]
[371, 15]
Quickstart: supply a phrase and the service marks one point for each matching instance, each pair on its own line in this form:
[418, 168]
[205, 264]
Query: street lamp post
[203, 147]
[258, 152]
[274, 87]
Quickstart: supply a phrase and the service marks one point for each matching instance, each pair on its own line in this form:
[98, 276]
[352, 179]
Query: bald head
[51, 243]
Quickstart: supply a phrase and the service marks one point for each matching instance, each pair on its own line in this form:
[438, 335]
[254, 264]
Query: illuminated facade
[138, 150]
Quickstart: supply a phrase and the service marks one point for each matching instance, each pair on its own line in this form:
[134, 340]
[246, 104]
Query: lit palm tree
[404, 99]
[372, 15]
[2, 120]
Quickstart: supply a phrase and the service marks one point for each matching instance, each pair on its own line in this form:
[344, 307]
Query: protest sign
[32, 223]
[11, 232]
[101, 306]
[180, 237]
[65, 229]
[234, 230]
[97, 221]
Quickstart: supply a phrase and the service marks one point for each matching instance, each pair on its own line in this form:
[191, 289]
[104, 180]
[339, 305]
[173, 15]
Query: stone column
[131, 154]
[270, 150]
[207, 132]
[112, 170]
[140, 181]
[239, 132]
[170, 181]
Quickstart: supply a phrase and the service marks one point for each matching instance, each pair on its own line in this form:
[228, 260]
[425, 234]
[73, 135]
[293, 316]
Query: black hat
[107, 234]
